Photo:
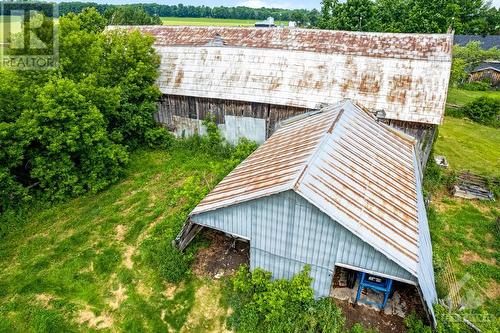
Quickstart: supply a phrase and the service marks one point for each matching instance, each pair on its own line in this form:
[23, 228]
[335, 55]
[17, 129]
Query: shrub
[159, 137]
[263, 305]
[476, 86]
[484, 110]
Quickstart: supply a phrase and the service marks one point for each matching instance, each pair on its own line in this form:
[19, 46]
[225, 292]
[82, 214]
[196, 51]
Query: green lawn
[459, 97]
[469, 146]
[206, 21]
[104, 261]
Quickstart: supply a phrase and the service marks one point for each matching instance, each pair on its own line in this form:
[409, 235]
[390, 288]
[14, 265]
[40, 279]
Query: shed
[334, 189]
[486, 70]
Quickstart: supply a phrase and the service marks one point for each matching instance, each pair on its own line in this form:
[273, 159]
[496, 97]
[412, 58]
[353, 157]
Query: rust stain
[369, 84]
[179, 78]
[400, 84]
[403, 46]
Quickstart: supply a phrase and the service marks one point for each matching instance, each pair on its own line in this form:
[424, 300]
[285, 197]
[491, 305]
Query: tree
[66, 131]
[130, 15]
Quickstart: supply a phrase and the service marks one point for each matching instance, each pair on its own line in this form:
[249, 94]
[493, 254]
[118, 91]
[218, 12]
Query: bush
[484, 110]
[263, 305]
[159, 138]
[476, 86]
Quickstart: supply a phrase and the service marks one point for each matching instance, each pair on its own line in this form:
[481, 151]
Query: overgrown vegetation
[484, 110]
[68, 131]
[106, 260]
[263, 305]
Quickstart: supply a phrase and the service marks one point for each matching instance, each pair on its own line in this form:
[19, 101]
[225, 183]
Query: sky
[288, 4]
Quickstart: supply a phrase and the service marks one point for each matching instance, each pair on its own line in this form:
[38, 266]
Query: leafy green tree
[467, 57]
[69, 150]
[130, 15]
[66, 131]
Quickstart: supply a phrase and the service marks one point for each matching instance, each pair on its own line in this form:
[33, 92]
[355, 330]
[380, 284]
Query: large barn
[253, 78]
[334, 189]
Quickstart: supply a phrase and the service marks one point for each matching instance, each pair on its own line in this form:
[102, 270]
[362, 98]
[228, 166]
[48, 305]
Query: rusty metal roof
[405, 75]
[402, 46]
[359, 172]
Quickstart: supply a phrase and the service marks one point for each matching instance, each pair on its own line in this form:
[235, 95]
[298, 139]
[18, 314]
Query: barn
[332, 189]
[251, 79]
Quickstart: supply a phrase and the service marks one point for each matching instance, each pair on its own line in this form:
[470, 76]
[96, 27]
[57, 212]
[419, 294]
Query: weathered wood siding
[175, 112]
[487, 73]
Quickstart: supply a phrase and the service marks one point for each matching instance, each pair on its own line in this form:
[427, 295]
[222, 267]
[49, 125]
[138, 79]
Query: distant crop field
[15, 26]
[207, 21]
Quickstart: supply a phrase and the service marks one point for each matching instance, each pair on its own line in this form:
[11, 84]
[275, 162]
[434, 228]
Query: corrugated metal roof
[358, 171]
[406, 75]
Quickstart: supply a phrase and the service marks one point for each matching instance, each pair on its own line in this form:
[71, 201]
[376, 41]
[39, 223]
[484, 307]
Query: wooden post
[187, 234]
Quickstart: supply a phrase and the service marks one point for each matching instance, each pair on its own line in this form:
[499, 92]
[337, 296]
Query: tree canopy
[464, 16]
[69, 130]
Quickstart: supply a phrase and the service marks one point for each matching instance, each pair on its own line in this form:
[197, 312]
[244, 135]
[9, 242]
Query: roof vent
[217, 41]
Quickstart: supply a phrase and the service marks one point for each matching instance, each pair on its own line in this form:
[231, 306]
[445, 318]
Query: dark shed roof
[487, 64]
[487, 42]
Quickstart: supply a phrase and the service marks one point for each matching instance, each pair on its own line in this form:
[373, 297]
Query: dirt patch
[369, 318]
[119, 295]
[207, 315]
[171, 290]
[89, 318]
[493, 290]
[222, 257]
[144, 290]
[44, 299]
[121, 230]
[127, 257]
[469, 257]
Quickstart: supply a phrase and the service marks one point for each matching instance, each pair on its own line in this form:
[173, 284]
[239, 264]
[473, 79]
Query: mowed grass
[98, 262]
[207, 21]
[460, 97]
[469, 146]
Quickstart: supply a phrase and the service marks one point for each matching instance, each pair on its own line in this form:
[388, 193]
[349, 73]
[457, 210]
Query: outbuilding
[331, 188]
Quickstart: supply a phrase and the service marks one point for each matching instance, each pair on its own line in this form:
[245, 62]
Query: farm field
[207, 21]
[15, 26]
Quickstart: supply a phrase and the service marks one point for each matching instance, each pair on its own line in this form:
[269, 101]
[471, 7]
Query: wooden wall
[197, 108]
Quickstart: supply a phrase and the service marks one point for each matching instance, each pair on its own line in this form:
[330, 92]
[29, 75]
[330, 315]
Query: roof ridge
[325, 137]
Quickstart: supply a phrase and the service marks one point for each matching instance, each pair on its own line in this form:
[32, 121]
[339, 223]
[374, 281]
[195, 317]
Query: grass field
[459, 97]
[102, 262]
[206, 21]
[469, 146]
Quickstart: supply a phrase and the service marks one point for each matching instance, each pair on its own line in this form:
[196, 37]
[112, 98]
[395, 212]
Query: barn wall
[286, 232]
[255, 121]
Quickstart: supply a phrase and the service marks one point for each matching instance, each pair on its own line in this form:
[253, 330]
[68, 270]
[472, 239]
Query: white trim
[376, 273]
